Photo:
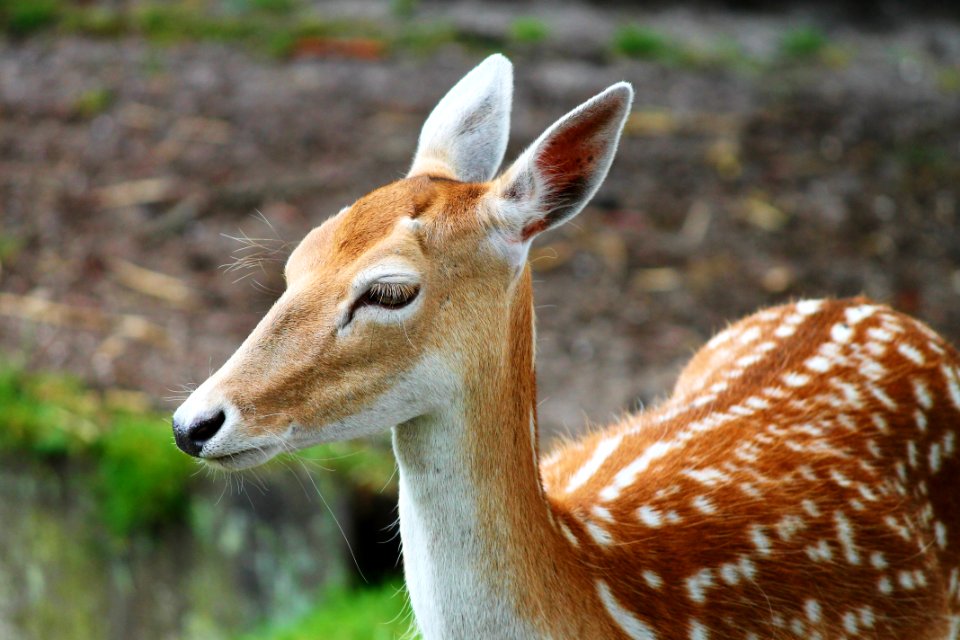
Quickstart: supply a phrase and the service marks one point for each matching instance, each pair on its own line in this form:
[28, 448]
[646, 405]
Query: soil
[736, 187]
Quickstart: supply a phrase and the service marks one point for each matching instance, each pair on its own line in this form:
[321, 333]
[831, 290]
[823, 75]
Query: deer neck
[473, 518]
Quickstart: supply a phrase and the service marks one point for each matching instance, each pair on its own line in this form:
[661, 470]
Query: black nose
[191, 438]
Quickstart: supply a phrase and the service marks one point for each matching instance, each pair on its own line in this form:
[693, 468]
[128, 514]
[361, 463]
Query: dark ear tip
[622, 91]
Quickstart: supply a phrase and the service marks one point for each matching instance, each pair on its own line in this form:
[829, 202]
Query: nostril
[202, 430]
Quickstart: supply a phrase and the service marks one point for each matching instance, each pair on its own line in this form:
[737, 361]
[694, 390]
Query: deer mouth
[243, 459]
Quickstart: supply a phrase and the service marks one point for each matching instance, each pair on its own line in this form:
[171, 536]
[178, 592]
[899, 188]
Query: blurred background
[159, 160]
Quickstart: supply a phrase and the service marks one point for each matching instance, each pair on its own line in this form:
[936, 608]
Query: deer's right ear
[558, 174]
[465, 136]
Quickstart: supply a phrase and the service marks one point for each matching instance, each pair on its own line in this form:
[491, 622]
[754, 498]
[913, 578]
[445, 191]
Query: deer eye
[387, 295]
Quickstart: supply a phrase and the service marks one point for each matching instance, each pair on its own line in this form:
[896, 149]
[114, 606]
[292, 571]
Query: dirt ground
[125, 168]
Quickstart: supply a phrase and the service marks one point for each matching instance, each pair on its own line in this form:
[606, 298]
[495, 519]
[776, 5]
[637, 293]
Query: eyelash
[388, 295]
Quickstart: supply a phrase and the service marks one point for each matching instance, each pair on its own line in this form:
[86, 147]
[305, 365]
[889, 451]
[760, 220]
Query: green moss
[642, 42]
[93, 102]
[803, 43]
[140, 480]
[23, 17]
[528, 31]
[379, 613]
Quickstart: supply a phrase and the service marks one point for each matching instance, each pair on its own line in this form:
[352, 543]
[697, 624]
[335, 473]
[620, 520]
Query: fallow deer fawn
[801, 481]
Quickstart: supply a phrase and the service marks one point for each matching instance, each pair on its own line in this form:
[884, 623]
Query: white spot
[730, 574]
[747, 568]
[784, 331]
[940, 531]
[649, 516]
[902, 531]
[808, 307]
[602, 513]
[879, 334]
[750, 489]
[885, 586]
[569, 535]
[921, 419]
[922, 392]
[866, 617]
[717, 387]
[704, 505]
[632, 626]
[796, 625]
[810, 507]
[877, 561]
[709, 477]
[882, 396]
[850, 622]
[867, 493]
[697, 585]
[850, 393]
[600, 535]
[795, 379]
[756, 403]
[876, 349]
[652, 578]
[760, 540]
[949, 443]
[911, 353]
[840, 333]
[812, 609]
[821, 552]
[920, 578]
[749, 335]
[845, 537]
[880, 422]
[855, 314]
[935, 457]
[912, 455]
[748, 360]
[788, 526]
[840, 479]
[628, 475]
[953, 387]
[856, 505]
[698, 631]
[905, 578]
[703, 400]
[818, 364]
[603, 451]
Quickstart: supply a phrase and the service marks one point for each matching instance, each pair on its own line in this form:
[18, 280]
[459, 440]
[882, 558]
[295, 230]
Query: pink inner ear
[567, 162]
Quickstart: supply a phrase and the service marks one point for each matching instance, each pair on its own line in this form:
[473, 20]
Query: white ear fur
[465, 135]
[558, 174]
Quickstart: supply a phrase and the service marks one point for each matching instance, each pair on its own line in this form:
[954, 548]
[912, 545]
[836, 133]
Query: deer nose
[191, 437]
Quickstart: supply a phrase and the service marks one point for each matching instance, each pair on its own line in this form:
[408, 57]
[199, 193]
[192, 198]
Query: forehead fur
[443, 206]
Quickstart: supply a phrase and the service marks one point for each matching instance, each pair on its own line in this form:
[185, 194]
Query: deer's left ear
[554, 178]
[465, 136]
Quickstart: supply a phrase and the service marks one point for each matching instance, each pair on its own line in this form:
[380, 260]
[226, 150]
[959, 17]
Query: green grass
[379, 613]
[140, 479]
[529, 31]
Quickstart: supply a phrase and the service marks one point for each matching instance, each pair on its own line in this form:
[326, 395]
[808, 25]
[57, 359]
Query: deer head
[388, 301]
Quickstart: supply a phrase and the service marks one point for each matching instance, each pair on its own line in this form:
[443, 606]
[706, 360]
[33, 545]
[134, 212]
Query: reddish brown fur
[788, 470]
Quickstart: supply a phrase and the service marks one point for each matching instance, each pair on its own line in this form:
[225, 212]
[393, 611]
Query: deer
[801, 481]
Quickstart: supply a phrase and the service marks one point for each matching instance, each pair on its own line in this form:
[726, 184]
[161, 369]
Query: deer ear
[558, 174]
[465, 135]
